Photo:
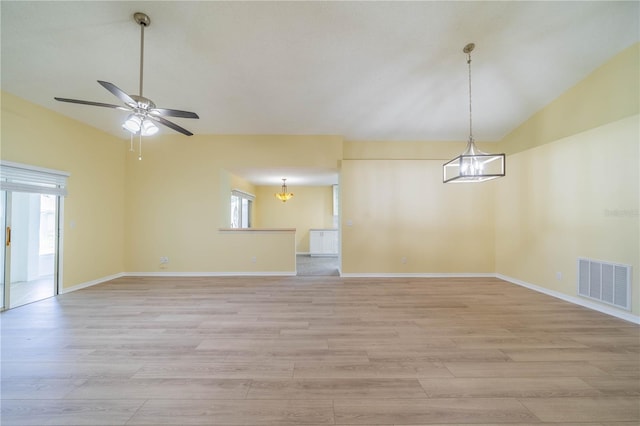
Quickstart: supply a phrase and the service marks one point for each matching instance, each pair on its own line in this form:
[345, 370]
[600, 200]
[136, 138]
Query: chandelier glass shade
[284, 195]
[473, 165]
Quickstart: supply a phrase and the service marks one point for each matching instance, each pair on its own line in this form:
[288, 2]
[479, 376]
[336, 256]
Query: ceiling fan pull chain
[131, 142]
[140, 147]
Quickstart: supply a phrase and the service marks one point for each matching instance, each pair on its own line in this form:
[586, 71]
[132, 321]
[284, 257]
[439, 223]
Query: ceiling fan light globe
[148, 128]
[133, 123]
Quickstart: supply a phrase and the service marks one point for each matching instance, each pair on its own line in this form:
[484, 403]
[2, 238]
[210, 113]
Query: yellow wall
[380, 150]
[30, 134]
[608, 94]
[311, 207]
[575, 197]
[242, 184]
[400, 208]
[255, 251]
[178, 198]
[572, 188]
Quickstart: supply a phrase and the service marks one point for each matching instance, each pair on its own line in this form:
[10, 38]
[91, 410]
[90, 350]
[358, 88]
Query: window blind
[25, 178]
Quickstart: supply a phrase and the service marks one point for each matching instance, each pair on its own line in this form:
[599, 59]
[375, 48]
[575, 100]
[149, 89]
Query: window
[241, 205]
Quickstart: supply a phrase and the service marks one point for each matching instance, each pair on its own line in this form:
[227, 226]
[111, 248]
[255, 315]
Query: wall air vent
[605, 282]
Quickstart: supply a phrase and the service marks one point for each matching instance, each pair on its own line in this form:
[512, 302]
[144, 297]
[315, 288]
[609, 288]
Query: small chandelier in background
[284, 195]
[473, 165]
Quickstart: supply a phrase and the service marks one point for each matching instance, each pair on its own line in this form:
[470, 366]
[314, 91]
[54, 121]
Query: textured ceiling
[364, 70]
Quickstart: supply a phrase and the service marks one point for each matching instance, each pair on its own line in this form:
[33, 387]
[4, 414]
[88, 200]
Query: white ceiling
[364, 70]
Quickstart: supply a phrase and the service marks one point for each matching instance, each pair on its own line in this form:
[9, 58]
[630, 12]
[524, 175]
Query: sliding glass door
[30, 250]
[31, 202]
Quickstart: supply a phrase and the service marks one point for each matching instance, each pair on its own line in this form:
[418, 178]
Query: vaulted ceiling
[364, 70]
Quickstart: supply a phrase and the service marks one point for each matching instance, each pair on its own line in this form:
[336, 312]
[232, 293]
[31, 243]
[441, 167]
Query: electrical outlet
[164, 260]
[559, 276]
[403, 260]
[254, 259]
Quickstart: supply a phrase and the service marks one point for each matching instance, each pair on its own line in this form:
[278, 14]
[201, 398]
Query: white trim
[60, 248]
[420, 275]
[242, 194]
[211, 274]
[91, 283]
[575, 300]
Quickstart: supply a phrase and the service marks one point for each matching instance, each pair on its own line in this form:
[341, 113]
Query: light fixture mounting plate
[142, 19]
[469, 48]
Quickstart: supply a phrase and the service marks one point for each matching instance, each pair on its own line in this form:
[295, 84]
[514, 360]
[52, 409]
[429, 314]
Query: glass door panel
[31, 256]
[4, 242]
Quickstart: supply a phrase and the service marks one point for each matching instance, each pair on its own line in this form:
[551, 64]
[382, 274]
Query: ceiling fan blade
[173, 113]
[118, 92]
[100, 104]
[171, 125]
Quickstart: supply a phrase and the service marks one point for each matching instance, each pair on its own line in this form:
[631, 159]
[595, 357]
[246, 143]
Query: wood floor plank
[509, 387]
[45, 412]
[319, 370]
[192, 388]
[267, 343]
[629, 367]
[438, 355]
[566, 354]
[335, 389]
[524, 369]
[234, 412]
[615, 386]
[298, 355]
[27, 388]
[445, 410]
[585, 409]
[484, 342]
[215, 370]
[67, 370]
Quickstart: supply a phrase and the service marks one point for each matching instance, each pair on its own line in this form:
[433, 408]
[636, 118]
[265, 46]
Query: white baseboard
[418, 275]
[91, 283]
[573, 299]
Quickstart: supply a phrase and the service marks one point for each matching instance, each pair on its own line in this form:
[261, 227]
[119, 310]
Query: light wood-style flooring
[316, 351]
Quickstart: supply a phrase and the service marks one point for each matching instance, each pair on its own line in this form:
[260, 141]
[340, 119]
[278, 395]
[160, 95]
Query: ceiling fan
[143, 110]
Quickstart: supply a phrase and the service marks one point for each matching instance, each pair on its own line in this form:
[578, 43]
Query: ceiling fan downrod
[143, 20]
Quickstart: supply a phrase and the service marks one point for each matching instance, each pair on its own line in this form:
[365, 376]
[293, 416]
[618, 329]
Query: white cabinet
[323, 242]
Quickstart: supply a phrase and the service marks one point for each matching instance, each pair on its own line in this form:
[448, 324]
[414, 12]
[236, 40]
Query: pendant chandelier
[473, 165]
[284, 195]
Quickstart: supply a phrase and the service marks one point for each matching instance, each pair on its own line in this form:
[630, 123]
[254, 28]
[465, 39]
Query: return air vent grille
[606, 282]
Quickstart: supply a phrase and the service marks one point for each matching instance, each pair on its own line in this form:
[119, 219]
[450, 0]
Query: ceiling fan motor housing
[142, 103]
